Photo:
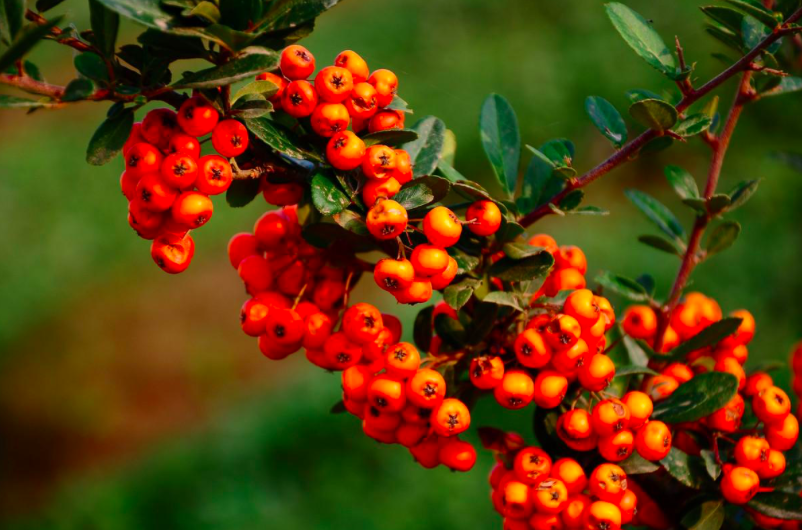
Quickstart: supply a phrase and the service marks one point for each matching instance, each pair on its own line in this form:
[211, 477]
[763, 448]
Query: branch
[57, 32]
[29, 84]
[693, 95]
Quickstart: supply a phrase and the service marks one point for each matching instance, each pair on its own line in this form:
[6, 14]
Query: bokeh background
[130, 399]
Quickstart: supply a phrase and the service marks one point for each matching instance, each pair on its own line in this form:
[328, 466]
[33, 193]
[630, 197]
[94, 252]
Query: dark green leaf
[13, 102]
[109, 138]
[92, 66]
[447, 171]
[759, 12]
[693, 125]
[105, 24]
[422, 191]
[607, 119]
[682, 182]
[263, 87]
[520, 250]
[425, 151]
[639, 94]
[641, 37]
[230, 72]
[778, 504]
[657, 213]
[239, 14]
[560, 152]
[147, 12]
[538, 174]
[44, 5]
[281, 139]
[173, 46]
[12, 16]
[622, 371]
[471, 190]
[291, 13]
[658, 144]
[504, 298]
[501, 140]
[510, 270]
[787, 85]
[709, 336]
[713, 467]
[727, 17]
[327, 196]
[242, 192]
[647, 281]
[635, 352]
[687, 469]
[422, 331]
[78, 89]
[509, 230]
[718, 203]
[572, 200]
[699, 397]
[726, 37]
[722, 237]
[457, 295]
[26, 39]
[465, 262]
[352, 221]
[629, 289]
[659, 243]
[742, 193]
[339, 407]
[635, 464]
[708, 515]
[654, 113]
[249, 108]
[391, 137]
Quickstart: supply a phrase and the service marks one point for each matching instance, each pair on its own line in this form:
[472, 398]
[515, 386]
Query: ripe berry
[192, 209]
[739, 485]
[573, 515]
[185, 143]
[483, 218]
[532, 465]
[628, 506]
[550, 496]
[362, 323]
[158, 126]
[386, 84]
[388, 220]
[426, 453]
[570, 359]
[172, 253]
[355, 64]
[771, 405]
[253, 317]
[617, 447]
[757, 382]
[197, 117]
[442, 227]
[774, 466]
[362, 102]
[443, 279]
[562, 332]
[486, 372]
[334, 84]
[457, 455]
[329, 119]
[640, 407]
[393, 275]
[345, 151]
[751, 452]
[610, 416]
[279, 81]
[144, 221]
[240, 247]
[782, 435]
[256, 273]
[571, 473]
[154, 194]
[451, 417]
[410, 434]
[142, 158]
[428, 260]
[284, 194]
[403, 167]
[517, 502]
[271, 229]
[318, 327]
[385, 120]
[296, 62]
[340, 353]
[214, 175]
[603, 515]
[597, 373]
[728, 418]
[569, 257]
[608, 482]
[386, 393]
[515, 391]
[549, 389]
[299, 99]
[379, 162]
[640, 322]
[134, 137]
[653, 440]
[574, 424]
[128, 183]
[402, 360]
[426, 388]
[230, 138]
[179, 170]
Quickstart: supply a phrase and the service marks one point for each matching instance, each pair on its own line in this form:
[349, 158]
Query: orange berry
[570, 257]
[566, 280]
[355, 381]
[640, 408]
[728, 418]
[486, 372]
[516, 500]
[426, 453]
[375, 189]
[483, 218]
[601, 515]
[774, 466]
[575, 424]
[550, 496]
[549, 389]
[340, 352]
[442, 227]
[782, 435]
[532, 465]
[429, 260]
[583, 305]
[569, 360]
[402, 361]
[757, 382]
[681, 372]
[751, 452]
[573, 515]
[745, 332]
[361, 103]
[457, 455]
[597, 373]
[386, 84]
[345, 150]
[418, 292]
[393, 275]
[403, 167]
[546, 521]
[379, 162]
[296, 62]
[515, 391]
[617, 447]
[608, 482]
[730, 365]
[659, 386]
[544, 241]
[653, 440]
[385, 120]
[562, 332]
[388, 220]
[426, 388]
[279, 81]
[640, 322]
[610, 416]
[531, 349]
[410, 434]
[771, 405]
[386, 393]
[628, 506]
[571, 473]
[299, 99]
[451, 417]
[351, 61]
[329, 118]
[362, 323]
[739, 485]
[334, 84]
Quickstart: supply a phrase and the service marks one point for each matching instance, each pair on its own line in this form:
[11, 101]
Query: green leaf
[264, 88]
[637, 355]
[280, 138]
[291, 13]
[105, 25]
[641, 37]
[635, 464]
[536, 179]
[230, 72]
[726, 37]
[709, 336]
[699, 397]
[659, 214]
[682, 182]
[778, 504]
[520, 250]
[451, 331]
[511, 270]
[12, 17]
[390, 137]
[658, 144]
[708, 515]
[146, 12]
[654, 113]
[206, 10]
[338, 408]
[560, 152]
[238, 14]
[589, 210]
[13, 102]
[110, 137]
[501, 140]
[722, 237]
[693, 125]
[465, 262]
[449, 150]
[762, 14]
[447, 171]
[572, 200]
[457, 295]
[504, 298]
[422, 191]
[713, 467]
[425, 151]
[249, 107]
[742, 193]
[242, 192]
[92, 66]
[727, 17]
[471, 190]
[352, 221]
[631, 369]
[484, 319]
[687, 469]
[629, 289]
[422, 330]
[607, 119]
[639, 94]
[659, 243]
[78, 89]
[25, 40]
[787, 85]
[44, 5]
[327, 196]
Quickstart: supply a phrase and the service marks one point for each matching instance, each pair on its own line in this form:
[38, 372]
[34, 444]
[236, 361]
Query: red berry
[230, 138]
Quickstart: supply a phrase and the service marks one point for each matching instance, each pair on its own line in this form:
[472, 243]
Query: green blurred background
[130, 399]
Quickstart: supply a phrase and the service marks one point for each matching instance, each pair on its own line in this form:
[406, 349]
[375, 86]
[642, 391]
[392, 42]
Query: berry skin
[596, 374]
[428, 260]
[426, 388]
[362, 103]
[355, 64]
[256, 273]
[608, 482]
[230, 138]
[192, 208]
[640, 407]
[253, 317]
[617, 447]
[531, 349]
[279, 81]
[426, 453]
[569, 257]
[181, 142]
[128, 184]
[602, 515]
[271, 229]
[782, 435]
[516, 390]
[563, 332]
[640, 322]
[575, 424]
[442, 227]
[145, 222]
[418, 292]
[444, 279]
[402, 360]
[142, 158]
[379, 162]
[318, 329]
[550, 496]
[334, 84]
[757, 382]
[329, 118]
[628, 506]
[403, 167]
[385, 120]
[681, 372]
[345, 151]
[388, 220]
[731, 366]
[173, 253]
[568, 360]
[283, 194]
[154, 194]
[214, 175]
[362, 323]
[197, 117]
[517, 502]
[568, 279]
[745, 332]
[774, 466]
[386, 84]
[532, 465]
[573, 515]
[751, 452]
[610, 416]
[659, 386]
[728, 418]
[299, 99]
[296, 62]
[570, 472]
[451, 417]
[771, 405]
[739, 485]
[483, 218]
[393, 275]
[486, 372]
[179, 170]
[549, 389]
[387, 393]
[158, 126]
[653, 441]
[457, 455]
[340, 353]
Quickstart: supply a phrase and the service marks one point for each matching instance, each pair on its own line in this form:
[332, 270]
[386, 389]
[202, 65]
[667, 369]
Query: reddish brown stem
[72, 42]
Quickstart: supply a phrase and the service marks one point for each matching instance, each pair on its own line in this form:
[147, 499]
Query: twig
[57, 32]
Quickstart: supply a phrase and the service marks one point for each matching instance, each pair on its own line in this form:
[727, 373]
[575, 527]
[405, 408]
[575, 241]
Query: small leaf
[607, 119]
[626, 370]
[637, 356]
[654, 113]
[572, 200]
[92, 66]
[262, 87]
[25, 40]
[520, 250]
[425, 151]
[659, 243]
[787, 85]
[742, 193]
[718, 203]
[471, 190]
[726, 16]
[206, 10]
[501, 140]
[13, 102]
[147, 12]
[390, 137]
[457, 295]
[560, 152]
[465, 262]
[708, 515]
[242, 192]
[12, 17]
[778, 504]
[422, 191]
[635, 464]
[713, 467]
[687, 469]
[422, 330]
[722, 237]
[657, 213]
[109, 138]
[639, 94]
[693, 125]
[510, 270]
[641, 37]
[250, 107]
[762, 14]
[291, 13]
[44, 5]
[629, 289]
[504, 298]
[352, 221]
[589, 210]
[105, 25]
[78, 89]
[230, 72]
[327, 196]
[682, 182]
[699, 397]
[449, 150]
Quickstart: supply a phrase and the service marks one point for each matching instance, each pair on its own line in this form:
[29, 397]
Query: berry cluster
[429, 267]
[168, 183]
[570, 266]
